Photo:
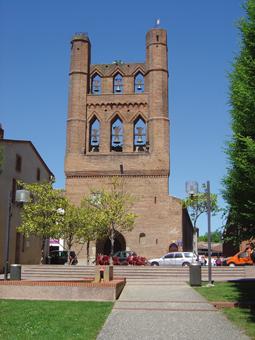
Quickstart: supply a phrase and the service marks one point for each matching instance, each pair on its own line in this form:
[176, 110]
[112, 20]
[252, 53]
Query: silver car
[174, 259]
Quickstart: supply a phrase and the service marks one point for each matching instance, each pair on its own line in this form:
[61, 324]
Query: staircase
[131, 273]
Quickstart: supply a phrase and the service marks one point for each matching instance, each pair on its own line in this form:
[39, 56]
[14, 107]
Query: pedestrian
[203, 260]
[253, 256]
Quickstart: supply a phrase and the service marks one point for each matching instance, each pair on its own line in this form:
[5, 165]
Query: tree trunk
[68, 254]
[112, 245]
[42, 250]
[88, 253]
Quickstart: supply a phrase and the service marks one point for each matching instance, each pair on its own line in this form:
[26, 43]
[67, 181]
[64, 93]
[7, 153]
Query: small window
[18, 162]
[38, 174]
[178, 255]
[169, 256]
[142, 238]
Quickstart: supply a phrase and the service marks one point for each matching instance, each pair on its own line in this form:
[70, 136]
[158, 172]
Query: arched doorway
[173, 247]
[104, 247]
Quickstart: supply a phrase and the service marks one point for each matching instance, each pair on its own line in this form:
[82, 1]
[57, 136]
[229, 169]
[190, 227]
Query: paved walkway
[166, 311]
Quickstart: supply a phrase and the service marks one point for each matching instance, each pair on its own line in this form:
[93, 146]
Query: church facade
[118, 125]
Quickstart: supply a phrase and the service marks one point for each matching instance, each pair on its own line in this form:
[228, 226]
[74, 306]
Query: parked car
[123, 256]
[61, 257]
[240, 259]
[175, 259]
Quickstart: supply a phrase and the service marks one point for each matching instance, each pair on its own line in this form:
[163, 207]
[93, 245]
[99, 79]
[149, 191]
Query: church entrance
[104, 247]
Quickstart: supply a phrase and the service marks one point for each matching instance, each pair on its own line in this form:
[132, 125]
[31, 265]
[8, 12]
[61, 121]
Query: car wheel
[232, 264]
[185, 264]
[154, 264]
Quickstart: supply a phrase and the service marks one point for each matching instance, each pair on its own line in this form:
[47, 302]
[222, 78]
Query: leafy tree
[92, 229]
[215, 237]
[111, 211]
[197, 204]
[42, 216]
[239, 183]
[77, 226]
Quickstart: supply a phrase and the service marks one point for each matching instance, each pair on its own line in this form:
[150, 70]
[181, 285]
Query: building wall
[145, 173]
[21, 250]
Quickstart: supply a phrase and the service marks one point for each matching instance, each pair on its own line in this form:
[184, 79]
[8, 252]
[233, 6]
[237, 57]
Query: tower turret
[157, 87]
[78, 90]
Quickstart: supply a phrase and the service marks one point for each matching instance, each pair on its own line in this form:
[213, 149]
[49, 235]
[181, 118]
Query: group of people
[215, 262]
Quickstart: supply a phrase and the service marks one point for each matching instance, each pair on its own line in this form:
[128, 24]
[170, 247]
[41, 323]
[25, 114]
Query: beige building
[21, 162]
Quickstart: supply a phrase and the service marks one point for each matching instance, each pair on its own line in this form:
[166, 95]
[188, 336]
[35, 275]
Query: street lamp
[22, 196]
[209, 234]
[191, 189]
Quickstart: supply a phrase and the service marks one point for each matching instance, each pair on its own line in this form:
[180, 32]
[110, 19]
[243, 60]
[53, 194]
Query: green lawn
[26, 319]
[229, 291]
[241, 291]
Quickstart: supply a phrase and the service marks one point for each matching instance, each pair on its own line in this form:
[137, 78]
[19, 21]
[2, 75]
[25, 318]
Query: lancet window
[118, 84]
[94, 135]
[96, 85]
[139, 135]
[139, 83]
[117, 135]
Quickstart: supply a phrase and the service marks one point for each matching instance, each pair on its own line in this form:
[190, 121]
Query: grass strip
[238, 291]
[58, 320]
[243, 318]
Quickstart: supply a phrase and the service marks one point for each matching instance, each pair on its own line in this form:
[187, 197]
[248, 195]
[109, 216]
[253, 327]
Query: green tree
[42, 215]
[197, 204]
[92, 229]
[77, 226]
[215, 237]
[239, 182]
[111, 211]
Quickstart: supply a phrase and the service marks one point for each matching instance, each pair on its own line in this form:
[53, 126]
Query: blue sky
[34, 65]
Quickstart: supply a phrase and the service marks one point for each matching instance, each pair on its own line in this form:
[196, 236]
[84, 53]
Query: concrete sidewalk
[166, 311]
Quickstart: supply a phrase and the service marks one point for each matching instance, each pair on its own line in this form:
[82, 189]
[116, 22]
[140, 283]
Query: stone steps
[132, 274]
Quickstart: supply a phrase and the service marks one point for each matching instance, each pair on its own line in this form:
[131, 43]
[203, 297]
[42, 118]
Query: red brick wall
[146, 173]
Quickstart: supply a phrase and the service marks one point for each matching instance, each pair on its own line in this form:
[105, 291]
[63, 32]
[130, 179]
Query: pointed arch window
[118, 84]
[139, 83]
[139, 135]
[96, 84]
[116, 135]
[94, 135]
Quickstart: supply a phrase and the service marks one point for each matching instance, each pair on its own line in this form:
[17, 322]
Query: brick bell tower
[118, 125]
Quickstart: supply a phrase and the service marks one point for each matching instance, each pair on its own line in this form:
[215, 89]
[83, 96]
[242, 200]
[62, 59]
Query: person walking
[253, 256]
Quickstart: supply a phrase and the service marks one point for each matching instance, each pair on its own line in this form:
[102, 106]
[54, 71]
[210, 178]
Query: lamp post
[209, 234]
[22, 196]
[191, 189]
